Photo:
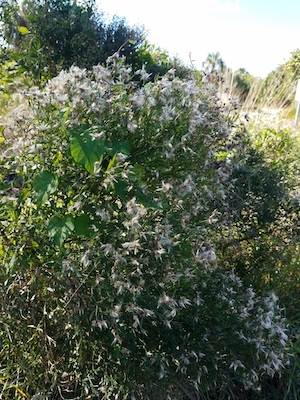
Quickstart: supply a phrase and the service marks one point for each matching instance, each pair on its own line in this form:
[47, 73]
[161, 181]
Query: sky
[257, 35]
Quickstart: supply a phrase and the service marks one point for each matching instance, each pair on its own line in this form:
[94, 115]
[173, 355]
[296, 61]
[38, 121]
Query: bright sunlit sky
[257, 35]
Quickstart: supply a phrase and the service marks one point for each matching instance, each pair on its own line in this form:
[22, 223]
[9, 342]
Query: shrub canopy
[109, 278]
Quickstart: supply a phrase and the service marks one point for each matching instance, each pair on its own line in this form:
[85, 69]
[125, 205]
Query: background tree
[51, 35]
[158, 62]
[10, 19]
[293, 64]
[242, 83]
[262, 242]
[68, 32]
[120, 36]
[213, 63]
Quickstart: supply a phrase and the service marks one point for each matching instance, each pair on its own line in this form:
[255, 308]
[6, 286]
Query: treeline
[40, 38]
[276, 91]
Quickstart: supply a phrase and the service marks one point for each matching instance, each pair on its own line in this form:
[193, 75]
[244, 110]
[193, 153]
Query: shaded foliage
[262, 244]
[51, 35]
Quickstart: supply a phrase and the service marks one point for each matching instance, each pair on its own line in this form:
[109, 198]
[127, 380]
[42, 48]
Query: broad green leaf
[60, 228]
[44, 184]
[119, 147]
[86, 151]
[23, 30]
[84, 226]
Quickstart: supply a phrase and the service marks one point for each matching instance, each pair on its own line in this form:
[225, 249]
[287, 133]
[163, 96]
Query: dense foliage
[44, 37]
[51, 35]
[109, 282]
[265, 204]
[293, 64]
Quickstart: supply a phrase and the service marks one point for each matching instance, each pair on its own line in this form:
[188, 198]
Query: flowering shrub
[110, 286]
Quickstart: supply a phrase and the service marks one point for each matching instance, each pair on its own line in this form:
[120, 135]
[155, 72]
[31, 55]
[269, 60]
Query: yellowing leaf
[23, 30]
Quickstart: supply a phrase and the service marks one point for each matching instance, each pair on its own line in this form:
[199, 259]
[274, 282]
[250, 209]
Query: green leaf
[65, 115]
[116, 350]
[147, 201]
[23, 30]
[84, 226]
[60, 228]
[138, 170]
[112, 163]
[120, 189]
[44, 184]
[86, 151]
[119, 147]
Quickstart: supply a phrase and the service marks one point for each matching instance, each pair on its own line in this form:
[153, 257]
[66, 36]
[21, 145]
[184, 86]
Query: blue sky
[257, 35]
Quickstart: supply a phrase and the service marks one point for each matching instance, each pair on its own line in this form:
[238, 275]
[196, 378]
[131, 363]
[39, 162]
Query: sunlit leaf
[65, 115]
[112, 163]
[44, 184]
[86, 151]
[60, 228]
[23, 30]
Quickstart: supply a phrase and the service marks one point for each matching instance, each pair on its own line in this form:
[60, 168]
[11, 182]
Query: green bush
[262, 242]
[110, 286]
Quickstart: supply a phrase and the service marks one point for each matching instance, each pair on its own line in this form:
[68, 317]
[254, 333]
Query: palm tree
[213, 63]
